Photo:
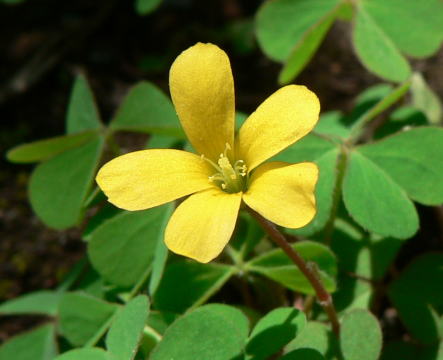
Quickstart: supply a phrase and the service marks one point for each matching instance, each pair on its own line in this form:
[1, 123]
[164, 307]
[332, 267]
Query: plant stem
[340, 169]
[324, 298]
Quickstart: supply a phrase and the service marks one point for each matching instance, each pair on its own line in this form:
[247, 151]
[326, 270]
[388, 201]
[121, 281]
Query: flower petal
[147, 178]
[284, 193]
[202, 90]
[282, 119]
[203, 224]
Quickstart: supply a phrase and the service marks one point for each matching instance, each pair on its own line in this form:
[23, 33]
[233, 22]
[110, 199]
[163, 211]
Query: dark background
[45, 43]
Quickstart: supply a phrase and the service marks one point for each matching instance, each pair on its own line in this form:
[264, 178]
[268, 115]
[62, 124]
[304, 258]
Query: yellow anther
[228, 177]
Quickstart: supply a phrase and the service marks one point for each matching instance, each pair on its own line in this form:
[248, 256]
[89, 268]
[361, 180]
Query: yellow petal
[284, 193]
[202, 90]
[282, 119]
[147, 178]
[203, 224]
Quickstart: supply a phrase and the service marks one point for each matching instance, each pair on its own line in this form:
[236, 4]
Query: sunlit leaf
[305, 48]
[281, 24]
[356, 344]
[274, 331]
[314, 335]
[85, 354]
[44, 302]
[215, 331]
[187, 284]
[425, 99]
[82, 111]
[376, 201]
[82, 316]
[59, 186]
[277, 266]
[125, 332]
[37, 344]
[44, 149]
[130, 237]
[413, 159]
[146, 109]
[376, 49]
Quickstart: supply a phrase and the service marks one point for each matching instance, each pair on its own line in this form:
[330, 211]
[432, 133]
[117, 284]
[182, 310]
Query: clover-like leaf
[82, 112]
[59, 186]
[278, 267]
[356, 344]
[376, 201]
[147, 109]
[132, 237]
[214, 331]
[187, 284]
[36, 344]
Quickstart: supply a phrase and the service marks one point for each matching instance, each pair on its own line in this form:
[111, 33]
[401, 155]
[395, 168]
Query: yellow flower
[230, 168]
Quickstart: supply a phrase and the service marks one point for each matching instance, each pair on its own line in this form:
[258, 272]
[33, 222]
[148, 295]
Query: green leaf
[59, 186]
[82, 112]
[332, 123]
[158, 141]
[376, 50]
[38, 344]
[352, 294]
[126, 330]
[375, 201]
[216, 332]
[281, 24]
[416, 293]
[401, 119]
[144, 7]
[305, 48]
[324, 153]
[378, 107]
[360, 336]
[44, 149]
[82, 317]
[187, 284]
[44, 302]
[413, 159]
[362, 254]
[277, 266]
[314, 336]
[132, 237]
[303, 354]
[274, 331]
[160, 256]
[85, 354]
[398, 17]
[425, 99]
[146, 109]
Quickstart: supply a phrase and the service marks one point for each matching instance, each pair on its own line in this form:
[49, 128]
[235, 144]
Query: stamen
[203, 157]
[229, 178]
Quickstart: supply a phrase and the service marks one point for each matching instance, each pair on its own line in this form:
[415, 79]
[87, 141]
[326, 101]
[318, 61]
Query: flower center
[230, 179]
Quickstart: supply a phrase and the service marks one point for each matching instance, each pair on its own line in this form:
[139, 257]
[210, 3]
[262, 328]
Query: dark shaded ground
[44, 43]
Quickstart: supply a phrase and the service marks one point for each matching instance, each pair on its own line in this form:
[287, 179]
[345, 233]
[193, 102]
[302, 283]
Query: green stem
[139, 283]
[100, 333]
[310, 271]
[341, 168]
[382, 105]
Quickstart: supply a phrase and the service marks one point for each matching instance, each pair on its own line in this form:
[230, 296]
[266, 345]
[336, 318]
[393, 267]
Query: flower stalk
[309, 270]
